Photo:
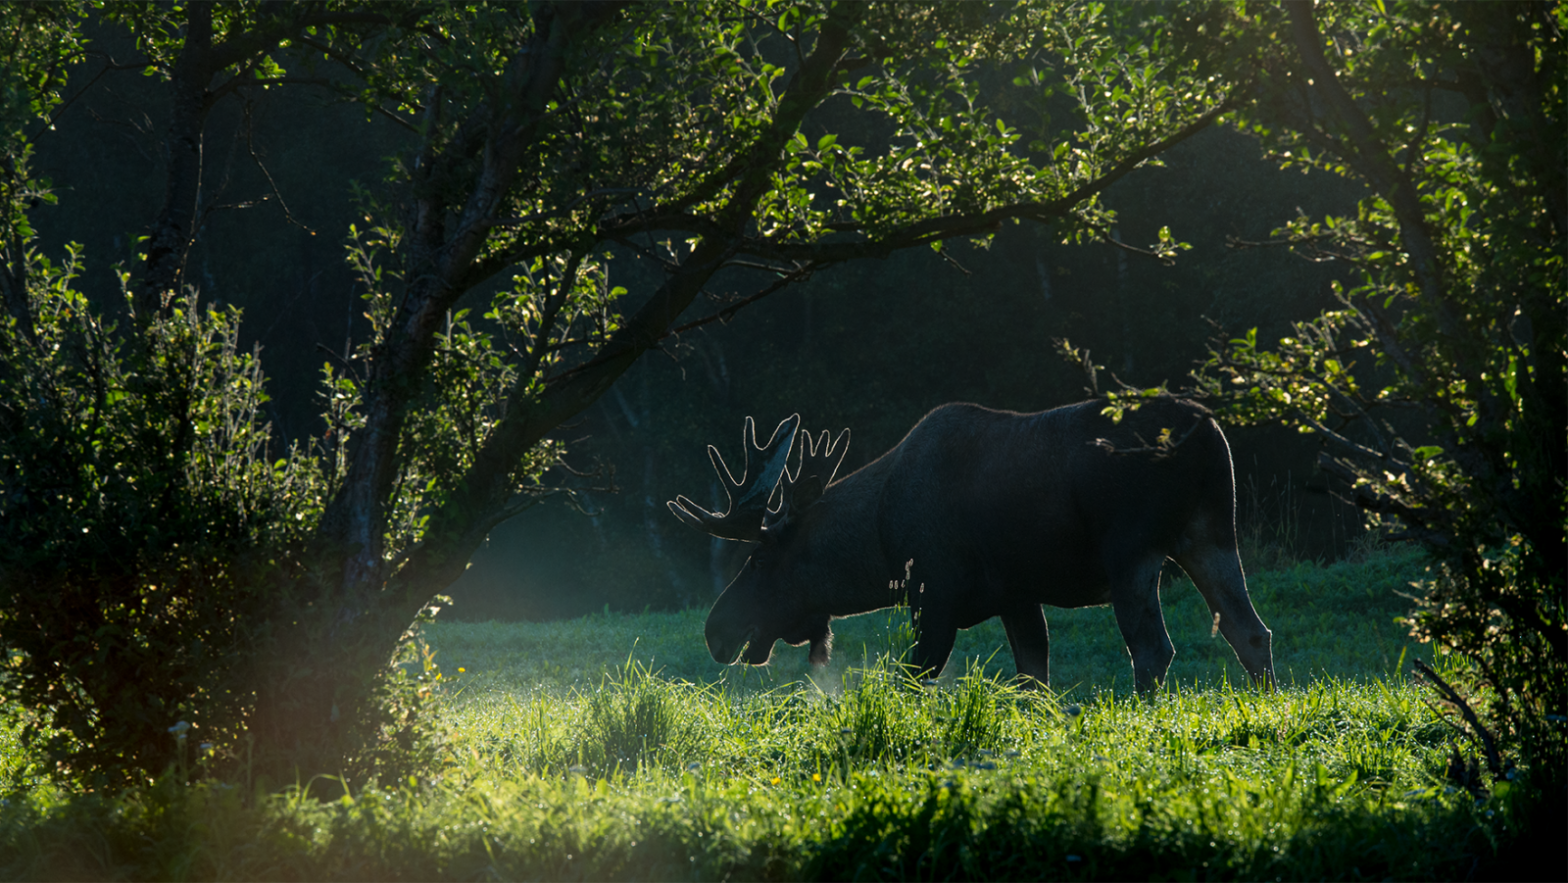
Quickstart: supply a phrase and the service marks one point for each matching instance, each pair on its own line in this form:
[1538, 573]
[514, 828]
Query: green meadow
[612, 747]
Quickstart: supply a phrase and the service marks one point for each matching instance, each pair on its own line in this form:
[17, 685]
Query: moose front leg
[934, 636]
[1030, 638]
[821, 642]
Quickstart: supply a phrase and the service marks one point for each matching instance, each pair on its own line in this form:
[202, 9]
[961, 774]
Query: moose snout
[725, 648]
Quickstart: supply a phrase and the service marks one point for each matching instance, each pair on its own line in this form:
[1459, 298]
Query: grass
[1328, 621]
[611, 747]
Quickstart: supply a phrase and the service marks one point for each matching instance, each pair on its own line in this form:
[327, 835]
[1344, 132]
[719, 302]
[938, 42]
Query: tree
[155, 536]
[1438, 385]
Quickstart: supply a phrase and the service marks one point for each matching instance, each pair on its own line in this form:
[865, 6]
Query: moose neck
[846, 541]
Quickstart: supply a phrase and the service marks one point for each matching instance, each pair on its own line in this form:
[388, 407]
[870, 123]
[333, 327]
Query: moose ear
[806, 492]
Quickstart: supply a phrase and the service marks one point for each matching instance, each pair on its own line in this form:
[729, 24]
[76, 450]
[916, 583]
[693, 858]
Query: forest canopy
[159, 535]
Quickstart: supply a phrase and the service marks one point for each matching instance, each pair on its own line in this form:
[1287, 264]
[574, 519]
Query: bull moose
[986, 513]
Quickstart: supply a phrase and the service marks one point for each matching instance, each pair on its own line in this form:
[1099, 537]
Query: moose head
[766, 601]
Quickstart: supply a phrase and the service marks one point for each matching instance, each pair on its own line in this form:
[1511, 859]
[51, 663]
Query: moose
[986, 513]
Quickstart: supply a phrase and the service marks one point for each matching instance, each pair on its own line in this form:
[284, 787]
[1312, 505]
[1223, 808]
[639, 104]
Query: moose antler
[819, 462]
[748, 498]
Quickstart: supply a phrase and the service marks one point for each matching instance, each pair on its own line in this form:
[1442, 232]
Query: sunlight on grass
[1336, 621]
[612, 747]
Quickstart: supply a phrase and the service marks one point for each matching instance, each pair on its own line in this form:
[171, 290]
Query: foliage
[1436, 385]
[269, 595]
[146, 532]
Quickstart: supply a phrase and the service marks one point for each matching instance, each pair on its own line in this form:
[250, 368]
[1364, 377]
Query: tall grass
[612, 748]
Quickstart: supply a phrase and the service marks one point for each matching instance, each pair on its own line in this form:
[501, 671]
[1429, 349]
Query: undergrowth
[609, 748]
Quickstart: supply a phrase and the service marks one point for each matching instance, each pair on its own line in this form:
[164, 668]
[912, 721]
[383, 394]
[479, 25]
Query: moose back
[988, 513]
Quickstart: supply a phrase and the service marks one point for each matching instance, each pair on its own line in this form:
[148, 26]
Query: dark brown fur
[994, 513]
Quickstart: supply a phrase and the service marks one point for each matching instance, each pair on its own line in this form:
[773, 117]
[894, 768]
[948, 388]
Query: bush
[147, 537]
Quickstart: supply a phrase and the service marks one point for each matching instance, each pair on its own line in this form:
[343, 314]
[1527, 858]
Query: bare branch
[1493, 760]
[1161, 448]
[728, 312]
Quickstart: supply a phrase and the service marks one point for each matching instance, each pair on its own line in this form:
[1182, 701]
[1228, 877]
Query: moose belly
[1050, 574]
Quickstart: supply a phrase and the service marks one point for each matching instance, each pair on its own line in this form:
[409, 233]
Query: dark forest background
[871, 345]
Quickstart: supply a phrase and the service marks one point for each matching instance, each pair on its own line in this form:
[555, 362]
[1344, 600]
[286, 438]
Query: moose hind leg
[1030, 639]
[1216, 571]
[1135, 596]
